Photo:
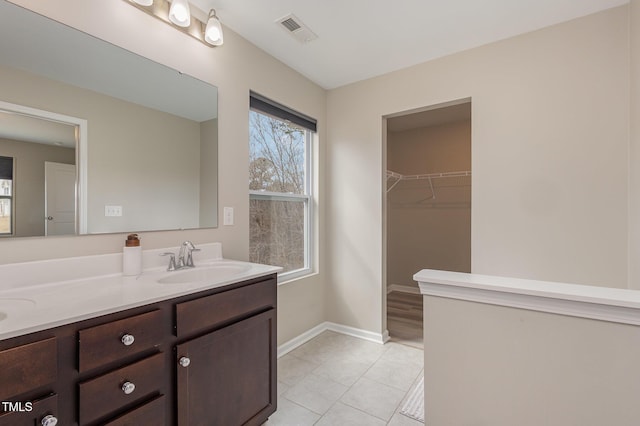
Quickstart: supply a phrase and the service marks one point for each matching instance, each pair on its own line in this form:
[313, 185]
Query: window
[6, 195]
[280, 187]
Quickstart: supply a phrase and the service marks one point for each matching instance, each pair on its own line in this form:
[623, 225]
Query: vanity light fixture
[179, 13]
[182, 16]
[213, 31]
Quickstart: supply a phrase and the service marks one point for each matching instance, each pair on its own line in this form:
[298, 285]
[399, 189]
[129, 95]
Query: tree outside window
[279, 193]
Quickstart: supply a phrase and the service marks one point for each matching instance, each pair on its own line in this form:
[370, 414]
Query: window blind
[6, 168]
[267, 106]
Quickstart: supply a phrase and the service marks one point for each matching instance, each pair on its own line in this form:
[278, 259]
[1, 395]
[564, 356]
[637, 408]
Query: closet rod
[391, 174]
[398, 177]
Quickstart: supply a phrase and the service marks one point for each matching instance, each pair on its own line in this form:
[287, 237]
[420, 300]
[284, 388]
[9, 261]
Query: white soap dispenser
[132, 256]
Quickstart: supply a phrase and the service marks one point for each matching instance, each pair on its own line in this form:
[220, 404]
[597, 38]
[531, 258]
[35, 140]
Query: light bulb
[179, 13]
[213, 31]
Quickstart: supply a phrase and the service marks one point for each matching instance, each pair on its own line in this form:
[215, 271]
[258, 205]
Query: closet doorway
[428, 207]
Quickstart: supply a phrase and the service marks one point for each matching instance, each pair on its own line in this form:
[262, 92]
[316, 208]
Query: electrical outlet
[227, 219]
[113, 210]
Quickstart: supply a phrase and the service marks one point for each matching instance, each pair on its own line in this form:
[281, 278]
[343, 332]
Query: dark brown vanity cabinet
[207, 358]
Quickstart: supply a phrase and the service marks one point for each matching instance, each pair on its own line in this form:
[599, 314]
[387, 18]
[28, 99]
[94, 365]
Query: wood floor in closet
[404, 318]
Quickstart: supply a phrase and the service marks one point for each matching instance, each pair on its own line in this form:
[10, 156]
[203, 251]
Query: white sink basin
[205, 273]
[9, 306]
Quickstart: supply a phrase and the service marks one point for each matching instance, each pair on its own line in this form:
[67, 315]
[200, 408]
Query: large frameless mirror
[96, 139]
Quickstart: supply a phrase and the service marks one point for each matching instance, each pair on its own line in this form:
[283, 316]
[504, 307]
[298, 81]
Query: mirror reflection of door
[6, 195]
[30, 138]
[60, 198]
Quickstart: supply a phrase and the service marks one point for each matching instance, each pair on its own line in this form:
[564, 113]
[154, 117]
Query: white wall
[550, 113]
[234, 68]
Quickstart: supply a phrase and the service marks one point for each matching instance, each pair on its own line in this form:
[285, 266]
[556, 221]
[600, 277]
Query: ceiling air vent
[296, 28]
[291, 24]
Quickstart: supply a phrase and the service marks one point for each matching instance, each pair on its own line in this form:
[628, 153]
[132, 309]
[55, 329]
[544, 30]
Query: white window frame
[307, 198]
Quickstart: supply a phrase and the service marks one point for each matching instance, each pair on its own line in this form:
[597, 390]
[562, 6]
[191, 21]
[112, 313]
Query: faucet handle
[190, 257]
[172, 261]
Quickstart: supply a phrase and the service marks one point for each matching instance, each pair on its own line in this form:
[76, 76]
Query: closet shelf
[397, 177]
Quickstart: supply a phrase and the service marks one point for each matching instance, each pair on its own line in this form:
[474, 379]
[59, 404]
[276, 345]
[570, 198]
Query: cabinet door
[228, 377]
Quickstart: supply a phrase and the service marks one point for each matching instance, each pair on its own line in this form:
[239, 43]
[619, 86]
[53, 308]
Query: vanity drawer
[41, 408]
[206, 312]
[151, 413]
[105, 394]
[106, 343]
[27, 367]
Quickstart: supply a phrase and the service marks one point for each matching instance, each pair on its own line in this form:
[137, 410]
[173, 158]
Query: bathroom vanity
[204, 353]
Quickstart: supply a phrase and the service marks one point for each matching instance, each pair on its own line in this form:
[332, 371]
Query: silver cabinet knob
[50, 218]
[128, 388]
[128, 339]
[184, 361]
[49, 420]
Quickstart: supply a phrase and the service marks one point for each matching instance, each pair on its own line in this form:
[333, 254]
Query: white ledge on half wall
[599, 303]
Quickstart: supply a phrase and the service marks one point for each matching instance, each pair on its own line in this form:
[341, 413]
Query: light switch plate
[227, 218]
[113, 210]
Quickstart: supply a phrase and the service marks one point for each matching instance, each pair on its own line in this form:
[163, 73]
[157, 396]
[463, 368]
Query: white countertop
[603, 303]
[42, 305]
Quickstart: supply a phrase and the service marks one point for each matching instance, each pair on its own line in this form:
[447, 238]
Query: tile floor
[336, 379]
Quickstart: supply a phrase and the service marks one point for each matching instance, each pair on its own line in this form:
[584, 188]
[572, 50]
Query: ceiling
[359, 39]
[431, 117]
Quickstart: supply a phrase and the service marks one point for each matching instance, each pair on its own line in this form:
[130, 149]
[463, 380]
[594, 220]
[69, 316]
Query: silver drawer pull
[128, 339]
[184, 361]
[49, 420]
[128, 388]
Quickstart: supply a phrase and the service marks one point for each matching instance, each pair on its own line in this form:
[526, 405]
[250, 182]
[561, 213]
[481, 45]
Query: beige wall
[498, 366]
[236, 68]
[634, 149]
[29, 159]
[208, 173]
[549, 158]
[422, 232]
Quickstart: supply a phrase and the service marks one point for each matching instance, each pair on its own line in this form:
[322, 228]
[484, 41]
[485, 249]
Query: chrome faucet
[185, 257]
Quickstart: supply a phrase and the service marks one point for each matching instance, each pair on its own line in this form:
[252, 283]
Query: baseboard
[403, 289]
[358, 332]
[300, 340]
[303, 338]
